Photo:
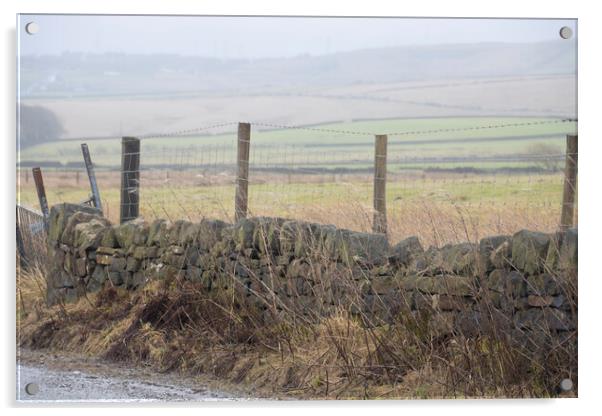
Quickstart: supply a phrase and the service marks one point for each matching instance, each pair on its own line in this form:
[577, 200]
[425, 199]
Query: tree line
[37, 125]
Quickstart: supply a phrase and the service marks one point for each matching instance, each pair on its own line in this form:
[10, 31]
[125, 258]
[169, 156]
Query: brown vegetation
[174, 325]
[439, 208]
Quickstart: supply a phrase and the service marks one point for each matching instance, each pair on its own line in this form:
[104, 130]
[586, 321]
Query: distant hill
[82, 75]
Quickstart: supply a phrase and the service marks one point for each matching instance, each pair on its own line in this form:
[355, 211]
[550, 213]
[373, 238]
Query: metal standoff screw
[31, 389]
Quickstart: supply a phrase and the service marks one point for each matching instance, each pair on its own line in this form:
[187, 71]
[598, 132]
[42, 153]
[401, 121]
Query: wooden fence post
[37, 177]
[130, 179]
[242, 179]
[570, 183]
[92, 177]
[379, 224]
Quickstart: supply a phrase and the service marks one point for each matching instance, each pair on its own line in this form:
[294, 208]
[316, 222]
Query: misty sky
[261, 37]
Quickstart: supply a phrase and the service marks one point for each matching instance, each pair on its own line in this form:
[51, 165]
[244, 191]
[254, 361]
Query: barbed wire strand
[192, 131]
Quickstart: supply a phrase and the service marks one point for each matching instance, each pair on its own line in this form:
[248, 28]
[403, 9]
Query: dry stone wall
[526, 281]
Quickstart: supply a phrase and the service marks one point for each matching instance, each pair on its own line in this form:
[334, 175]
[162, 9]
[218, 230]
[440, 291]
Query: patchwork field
[161, 109]
[419, 143]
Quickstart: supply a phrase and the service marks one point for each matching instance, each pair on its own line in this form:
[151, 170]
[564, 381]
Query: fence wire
[31, 237]
[191, 182]
[450, 196]
[441, 188]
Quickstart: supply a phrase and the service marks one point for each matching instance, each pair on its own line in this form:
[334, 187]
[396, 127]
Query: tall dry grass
[438, 208]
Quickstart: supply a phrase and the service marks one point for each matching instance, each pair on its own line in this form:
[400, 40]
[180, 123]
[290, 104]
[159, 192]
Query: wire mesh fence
[192, 182]
[437, 188]
[31, 237]
[442, 184]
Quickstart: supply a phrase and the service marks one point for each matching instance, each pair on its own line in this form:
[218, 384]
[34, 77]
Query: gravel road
[56, 378]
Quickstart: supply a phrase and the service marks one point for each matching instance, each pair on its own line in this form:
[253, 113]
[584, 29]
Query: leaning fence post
[242, 179]
[379, 224]
[130, 179]
[37, 177]
[570, 183]
[92, 177]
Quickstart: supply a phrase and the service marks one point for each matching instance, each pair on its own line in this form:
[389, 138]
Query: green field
[318, 148]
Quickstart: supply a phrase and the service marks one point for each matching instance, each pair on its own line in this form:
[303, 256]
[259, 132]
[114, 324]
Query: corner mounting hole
[31, 389]
[566, 384]
[32, 28]
[566, 32]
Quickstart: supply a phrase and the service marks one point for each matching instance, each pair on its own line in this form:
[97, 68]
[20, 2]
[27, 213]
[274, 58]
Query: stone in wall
[131, 233]
[511, 284]
[562, 251]
[543, 285]
[211, 232]
[493, 252]
[568, 260]
[501, 257]
[243, 234]
[364, 249]
[460, 258]
[157, 235]
[333, 238]
[529, 250]
[298, 238]
[88, 235]
[266, 237]
[402, 253]
[60, 214]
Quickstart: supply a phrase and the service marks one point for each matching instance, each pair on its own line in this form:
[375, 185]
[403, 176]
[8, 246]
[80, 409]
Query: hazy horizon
[301, 55]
